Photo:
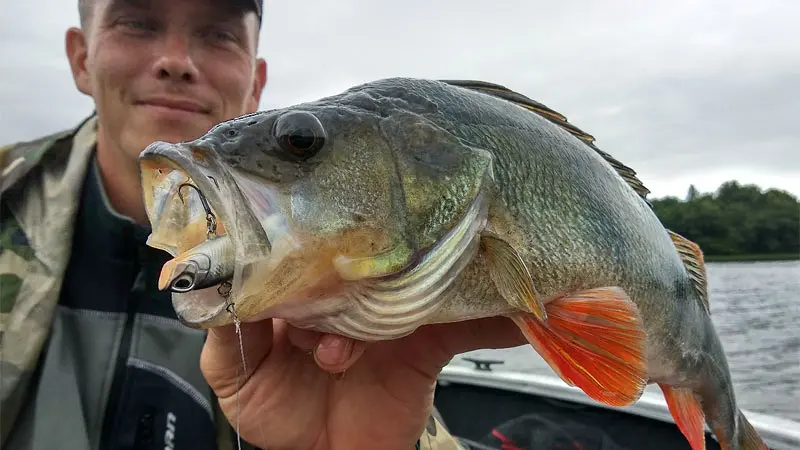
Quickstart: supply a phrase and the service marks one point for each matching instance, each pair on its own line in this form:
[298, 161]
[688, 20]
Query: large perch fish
[406, 202]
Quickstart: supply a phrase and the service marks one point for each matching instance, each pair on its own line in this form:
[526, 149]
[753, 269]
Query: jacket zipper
[113, 414]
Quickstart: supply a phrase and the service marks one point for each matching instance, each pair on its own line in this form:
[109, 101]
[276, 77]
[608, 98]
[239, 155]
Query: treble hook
[211, 219]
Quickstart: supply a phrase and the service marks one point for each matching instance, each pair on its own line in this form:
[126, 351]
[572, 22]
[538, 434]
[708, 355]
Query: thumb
[221, 357]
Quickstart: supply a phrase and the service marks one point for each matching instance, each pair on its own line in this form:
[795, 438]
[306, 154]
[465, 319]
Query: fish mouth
[183, 187]
[182, 196]
[273, 263]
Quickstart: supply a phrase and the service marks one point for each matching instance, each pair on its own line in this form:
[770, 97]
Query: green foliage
[735, 220]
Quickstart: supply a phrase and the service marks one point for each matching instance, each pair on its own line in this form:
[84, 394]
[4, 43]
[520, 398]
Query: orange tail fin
[688, 414]
[594, 340]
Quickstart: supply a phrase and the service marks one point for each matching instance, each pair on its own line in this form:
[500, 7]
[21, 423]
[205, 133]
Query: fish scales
[405, 202]
[587, 227]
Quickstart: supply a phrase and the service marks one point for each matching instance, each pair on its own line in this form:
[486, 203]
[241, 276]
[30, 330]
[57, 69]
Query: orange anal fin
[594, 340]
[688, 414]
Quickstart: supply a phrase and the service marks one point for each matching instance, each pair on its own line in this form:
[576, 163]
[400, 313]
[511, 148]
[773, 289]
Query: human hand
[290, 400]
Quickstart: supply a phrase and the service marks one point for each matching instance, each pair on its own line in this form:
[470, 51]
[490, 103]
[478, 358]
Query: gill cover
[440, 175]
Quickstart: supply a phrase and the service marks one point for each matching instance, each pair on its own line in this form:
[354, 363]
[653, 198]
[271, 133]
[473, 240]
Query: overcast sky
[682, 91]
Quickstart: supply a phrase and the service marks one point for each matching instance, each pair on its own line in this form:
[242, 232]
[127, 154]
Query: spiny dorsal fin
[628, 174]
[692, 257]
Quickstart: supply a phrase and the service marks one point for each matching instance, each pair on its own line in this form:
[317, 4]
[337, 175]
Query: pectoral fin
[350, 268]
[595, 340]
[511, 276]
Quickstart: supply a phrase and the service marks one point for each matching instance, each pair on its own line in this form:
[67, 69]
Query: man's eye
[137, 24]
[221, 35]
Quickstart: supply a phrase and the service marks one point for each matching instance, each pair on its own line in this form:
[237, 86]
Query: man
[92, 355]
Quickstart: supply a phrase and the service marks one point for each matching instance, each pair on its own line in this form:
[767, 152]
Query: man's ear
[77, 51]
[259, 81]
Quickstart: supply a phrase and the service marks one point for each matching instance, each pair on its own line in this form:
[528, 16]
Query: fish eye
[300, 133]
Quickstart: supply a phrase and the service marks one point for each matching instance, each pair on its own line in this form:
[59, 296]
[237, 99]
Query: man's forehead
[229, 7]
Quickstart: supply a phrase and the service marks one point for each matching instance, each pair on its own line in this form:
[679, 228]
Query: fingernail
[333, 350]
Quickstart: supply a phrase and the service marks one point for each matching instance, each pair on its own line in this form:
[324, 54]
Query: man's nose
[175, 60]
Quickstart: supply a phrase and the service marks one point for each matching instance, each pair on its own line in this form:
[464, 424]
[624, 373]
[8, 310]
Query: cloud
[683, 92]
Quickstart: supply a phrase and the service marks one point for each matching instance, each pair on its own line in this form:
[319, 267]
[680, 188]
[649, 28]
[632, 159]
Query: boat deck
[474, 401]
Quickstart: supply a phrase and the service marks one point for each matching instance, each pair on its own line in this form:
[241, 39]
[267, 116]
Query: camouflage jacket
[39, 183]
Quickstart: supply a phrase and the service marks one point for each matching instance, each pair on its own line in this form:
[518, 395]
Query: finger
[336, 354]
[305, 340]
[221, 357]
[489, 333]
[439, 343]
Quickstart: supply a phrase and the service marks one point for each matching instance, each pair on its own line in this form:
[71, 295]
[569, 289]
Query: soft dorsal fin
[692, 257]
[496, 90]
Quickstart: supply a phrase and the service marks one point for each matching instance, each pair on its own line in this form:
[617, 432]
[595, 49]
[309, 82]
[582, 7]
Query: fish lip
[179, 157]
[196, 313]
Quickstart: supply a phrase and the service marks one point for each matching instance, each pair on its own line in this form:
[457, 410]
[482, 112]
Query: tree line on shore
[736, 220]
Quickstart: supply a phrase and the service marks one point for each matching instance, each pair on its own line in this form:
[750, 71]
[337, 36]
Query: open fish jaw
[179, 220]
[176, 213]
[175, 190]
[267, 252]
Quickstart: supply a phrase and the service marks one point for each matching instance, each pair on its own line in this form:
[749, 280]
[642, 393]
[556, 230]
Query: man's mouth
[174, 104]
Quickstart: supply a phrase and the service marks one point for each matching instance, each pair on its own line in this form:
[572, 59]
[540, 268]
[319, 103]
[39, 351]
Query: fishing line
[229, 306]
[224, 290]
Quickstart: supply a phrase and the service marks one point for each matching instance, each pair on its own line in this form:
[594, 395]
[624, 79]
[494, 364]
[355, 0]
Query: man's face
[166, 69]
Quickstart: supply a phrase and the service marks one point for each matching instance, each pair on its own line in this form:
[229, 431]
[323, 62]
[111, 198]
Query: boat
[494, 409]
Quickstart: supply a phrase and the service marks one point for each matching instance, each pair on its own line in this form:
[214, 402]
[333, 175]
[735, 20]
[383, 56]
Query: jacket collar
[50, 203]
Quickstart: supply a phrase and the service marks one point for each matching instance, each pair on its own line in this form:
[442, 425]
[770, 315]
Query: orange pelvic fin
[688, 414]
[594, 340]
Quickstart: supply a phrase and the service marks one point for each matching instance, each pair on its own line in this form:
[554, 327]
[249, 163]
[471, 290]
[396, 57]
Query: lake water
[755, 307]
